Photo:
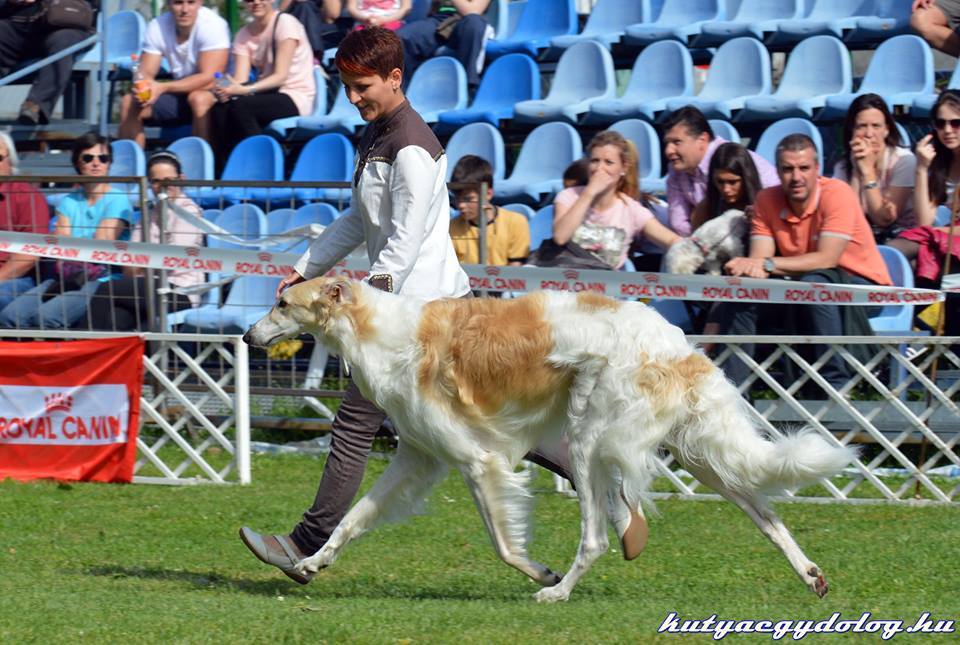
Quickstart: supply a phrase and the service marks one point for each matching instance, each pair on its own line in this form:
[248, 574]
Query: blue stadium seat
[438, 85]
[523, 209]
[724, 130]
[342, 117]
[754, 18]
[196, 157]
[900, 71]
[326, 157]
[256, 158]
[888, 18]
[662, 71]
[545, 154]
[128, 159]
[678, 20]
[241, 220]
[584, 74]
[481, 139]
[645, 138]
[776, 131]
[739, 70]
[125, 30]
[895, 318]
[320, 212]
[507, 81]
[824, 17]
[286, 219]
[607, 22]
[924, 103]
[540, 22]
[541, 227]
[817, 68]
[280, 128]
[278, 220]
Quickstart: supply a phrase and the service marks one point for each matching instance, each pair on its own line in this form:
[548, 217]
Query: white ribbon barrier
[616, 284]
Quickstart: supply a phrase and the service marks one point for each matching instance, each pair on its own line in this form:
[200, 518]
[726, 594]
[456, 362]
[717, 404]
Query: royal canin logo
[492, 270]
[50, 239]
[569, 274]
[736, 282]
[57, 402]
[264, 257]
[192, 251]
[651, 277]
[120, 246]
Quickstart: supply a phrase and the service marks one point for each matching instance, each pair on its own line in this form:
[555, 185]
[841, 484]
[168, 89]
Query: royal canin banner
[69, 410]
[616, 284]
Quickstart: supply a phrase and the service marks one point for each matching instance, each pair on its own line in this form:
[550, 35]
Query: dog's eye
[281, 304]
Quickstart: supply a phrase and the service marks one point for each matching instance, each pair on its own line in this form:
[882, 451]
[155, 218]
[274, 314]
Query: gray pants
[354, 428]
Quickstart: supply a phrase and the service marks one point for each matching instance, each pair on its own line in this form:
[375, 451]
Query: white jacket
[400, 208]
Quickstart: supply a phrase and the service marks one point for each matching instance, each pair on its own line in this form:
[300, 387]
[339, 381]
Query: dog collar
[700, 244]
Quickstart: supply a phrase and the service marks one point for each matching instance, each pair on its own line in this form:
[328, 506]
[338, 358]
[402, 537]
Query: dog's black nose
[246, 337]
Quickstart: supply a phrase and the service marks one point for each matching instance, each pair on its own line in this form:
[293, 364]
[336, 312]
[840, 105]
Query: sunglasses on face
[940, 124]
[87, 158]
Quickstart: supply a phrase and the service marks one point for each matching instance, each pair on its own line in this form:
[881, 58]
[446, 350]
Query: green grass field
[147, 564]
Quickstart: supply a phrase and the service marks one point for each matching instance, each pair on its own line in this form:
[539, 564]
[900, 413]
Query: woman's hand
[925, 152]
[224, 94]
[865, 155]
[600, 182]
[289, 281]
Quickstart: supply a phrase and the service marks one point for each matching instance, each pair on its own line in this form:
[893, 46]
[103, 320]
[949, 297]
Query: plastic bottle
[140, 85]
[221, 80]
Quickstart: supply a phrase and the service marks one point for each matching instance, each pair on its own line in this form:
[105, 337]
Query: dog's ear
[338, 292]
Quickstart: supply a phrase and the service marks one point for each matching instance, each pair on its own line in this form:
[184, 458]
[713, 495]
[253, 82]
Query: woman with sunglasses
[119, 305]
[877, 166]
[94, 210]
[276, 46]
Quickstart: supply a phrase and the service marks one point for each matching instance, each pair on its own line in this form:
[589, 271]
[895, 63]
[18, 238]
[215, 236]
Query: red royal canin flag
[69, 410]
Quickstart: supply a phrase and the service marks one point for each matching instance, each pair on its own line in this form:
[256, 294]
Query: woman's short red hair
[374, 50]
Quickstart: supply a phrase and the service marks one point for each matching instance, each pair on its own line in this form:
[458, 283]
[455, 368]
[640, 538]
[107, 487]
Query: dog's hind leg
[397, 493]
[767, 521]
[503, 501]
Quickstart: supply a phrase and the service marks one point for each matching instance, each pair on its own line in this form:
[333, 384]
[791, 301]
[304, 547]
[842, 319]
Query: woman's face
[729, 185]
[94, 161]
[606, 158]
[163, 172]
[871, 126]
[372, 95]
[259, 8]
[946, 122]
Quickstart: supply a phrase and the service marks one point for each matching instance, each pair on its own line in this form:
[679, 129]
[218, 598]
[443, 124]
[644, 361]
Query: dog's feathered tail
[721, 436]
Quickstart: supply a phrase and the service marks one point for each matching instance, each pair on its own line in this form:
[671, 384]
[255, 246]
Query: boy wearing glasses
[195, 41]
[508, 233]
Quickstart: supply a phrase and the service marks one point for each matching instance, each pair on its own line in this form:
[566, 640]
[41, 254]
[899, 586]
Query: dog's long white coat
[620, 383]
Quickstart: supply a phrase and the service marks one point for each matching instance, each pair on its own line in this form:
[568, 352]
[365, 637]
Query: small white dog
[477, 383]
[710, 246]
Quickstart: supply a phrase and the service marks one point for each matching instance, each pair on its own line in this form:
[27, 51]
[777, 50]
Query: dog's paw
[311, 565]
[552, 594]
[550, 578]
[816, 581]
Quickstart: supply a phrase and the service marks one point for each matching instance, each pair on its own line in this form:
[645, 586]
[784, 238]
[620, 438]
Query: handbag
[569, 256]
[69, 14]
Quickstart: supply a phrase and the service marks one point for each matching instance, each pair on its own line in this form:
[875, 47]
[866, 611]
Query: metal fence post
[241, 369]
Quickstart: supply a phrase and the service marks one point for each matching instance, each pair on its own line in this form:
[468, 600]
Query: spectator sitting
[24, 210]
[937, 22]
[732, 182]
[812, 229]
[118, 304]
[460, 25]
[379, 13]
[318, 18]
[594, 225]
[195, 41]
[92, 211]
[688, 144]
[508, 233]
[877, 167]
[577, 173]
[25, 33]
[938, 174]
[276, 46]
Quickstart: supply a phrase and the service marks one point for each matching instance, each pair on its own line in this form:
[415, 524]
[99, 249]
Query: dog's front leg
[398, 493]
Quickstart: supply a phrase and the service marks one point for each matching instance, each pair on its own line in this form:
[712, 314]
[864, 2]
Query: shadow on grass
[360, 587]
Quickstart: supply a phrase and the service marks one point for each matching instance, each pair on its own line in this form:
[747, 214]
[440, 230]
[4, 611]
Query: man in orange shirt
[807, 228]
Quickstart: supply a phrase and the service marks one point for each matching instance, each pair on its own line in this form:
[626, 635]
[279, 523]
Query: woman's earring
[395, 89]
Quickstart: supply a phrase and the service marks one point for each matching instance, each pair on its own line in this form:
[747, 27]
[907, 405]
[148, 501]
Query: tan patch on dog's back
[591, 301]
[668, 384]
[481, 353]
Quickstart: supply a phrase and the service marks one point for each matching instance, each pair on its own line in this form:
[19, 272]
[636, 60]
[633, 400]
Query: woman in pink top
[604, 216]
[118, 305]
[379, 13]
[276, 46]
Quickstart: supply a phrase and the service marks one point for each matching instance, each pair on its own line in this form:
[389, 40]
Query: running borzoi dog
[477, 383]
